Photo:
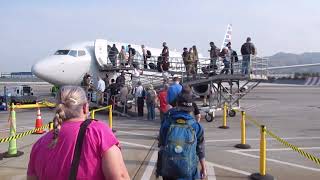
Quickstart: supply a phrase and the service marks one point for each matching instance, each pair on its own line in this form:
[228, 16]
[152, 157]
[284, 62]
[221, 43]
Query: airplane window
[61, 52]
[73, 53]
[81, 53]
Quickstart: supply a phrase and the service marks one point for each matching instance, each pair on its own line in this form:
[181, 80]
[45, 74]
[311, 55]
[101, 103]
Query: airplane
[68, 65]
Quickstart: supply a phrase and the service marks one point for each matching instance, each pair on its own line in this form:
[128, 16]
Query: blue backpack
[178, 157]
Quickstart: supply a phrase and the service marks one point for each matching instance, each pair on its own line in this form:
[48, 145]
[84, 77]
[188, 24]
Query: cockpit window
[61, 52]
[81, 53]
[73, 53]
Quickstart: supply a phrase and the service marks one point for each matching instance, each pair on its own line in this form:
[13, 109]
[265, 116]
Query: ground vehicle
[21, 94]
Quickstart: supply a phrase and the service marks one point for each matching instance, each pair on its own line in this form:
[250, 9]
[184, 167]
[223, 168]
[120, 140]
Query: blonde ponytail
[70, 102]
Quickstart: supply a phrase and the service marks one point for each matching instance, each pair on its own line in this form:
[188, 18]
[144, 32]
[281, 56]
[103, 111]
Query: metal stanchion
[50, 126]
[92, 114]
[243, 144]
[262, 175]
[110, 119]
[224, 126]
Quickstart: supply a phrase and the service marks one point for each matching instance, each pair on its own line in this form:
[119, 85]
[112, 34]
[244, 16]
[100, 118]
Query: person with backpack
[151, 101]
[247, 49]
[233, 56]
[77, 147]
[181, 143]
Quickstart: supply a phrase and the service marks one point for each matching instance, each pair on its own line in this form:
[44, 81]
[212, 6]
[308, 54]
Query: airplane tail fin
[227, 36]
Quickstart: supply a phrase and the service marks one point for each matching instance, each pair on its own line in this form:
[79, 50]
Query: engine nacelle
[201, 90]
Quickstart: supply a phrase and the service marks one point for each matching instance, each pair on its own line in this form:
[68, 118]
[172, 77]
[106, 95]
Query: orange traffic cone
[39, 123]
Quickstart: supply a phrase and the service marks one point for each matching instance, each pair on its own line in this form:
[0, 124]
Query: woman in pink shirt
[52, 154]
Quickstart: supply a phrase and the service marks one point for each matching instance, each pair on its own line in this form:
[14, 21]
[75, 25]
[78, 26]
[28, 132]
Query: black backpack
[234, 56]
[133, 51]
[148, 54]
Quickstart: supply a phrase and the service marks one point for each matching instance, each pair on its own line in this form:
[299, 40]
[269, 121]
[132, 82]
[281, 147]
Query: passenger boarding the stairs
[162, 101]
[233, 56]
[173, 91]
[139, 93]
[247, 49]
[122, 57]
[226, 60]
[165, 58]
[113, 54]
[151, 101]
[101, 87]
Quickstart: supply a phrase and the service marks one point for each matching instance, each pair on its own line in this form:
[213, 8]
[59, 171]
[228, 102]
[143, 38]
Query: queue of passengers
[79, 147]
[189, 56]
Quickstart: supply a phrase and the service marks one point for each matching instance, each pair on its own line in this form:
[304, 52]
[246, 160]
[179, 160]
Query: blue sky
[30, 30]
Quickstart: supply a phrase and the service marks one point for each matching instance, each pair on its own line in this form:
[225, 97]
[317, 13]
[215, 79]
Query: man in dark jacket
[165, 57]
[247, 49]
[213, 54]
[121, 80]
[113, 53]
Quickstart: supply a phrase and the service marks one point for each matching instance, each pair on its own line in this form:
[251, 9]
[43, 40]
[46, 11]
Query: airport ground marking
[134, 144]
[241, 152]
[150, 167]
[228, 168]
[208, 163]
[138, 134]
[136, 128]
[258, 139]
[210, 172]
[274, 149]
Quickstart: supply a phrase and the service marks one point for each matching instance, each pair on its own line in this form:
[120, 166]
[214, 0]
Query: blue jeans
[226, 68]
[245, 64]
[151, 111]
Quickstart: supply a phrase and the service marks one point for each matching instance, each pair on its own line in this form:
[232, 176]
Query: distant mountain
[286, 59]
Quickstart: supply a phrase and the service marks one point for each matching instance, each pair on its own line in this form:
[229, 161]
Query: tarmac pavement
[291, 112]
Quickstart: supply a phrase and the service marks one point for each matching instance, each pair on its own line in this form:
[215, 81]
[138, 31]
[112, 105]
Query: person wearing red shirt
[162, 96]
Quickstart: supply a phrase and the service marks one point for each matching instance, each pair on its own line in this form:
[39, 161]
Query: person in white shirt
[100, 90]
[144, 55]
[140, 94]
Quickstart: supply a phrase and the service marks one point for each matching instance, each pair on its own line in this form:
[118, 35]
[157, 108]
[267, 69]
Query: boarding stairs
[222, 88]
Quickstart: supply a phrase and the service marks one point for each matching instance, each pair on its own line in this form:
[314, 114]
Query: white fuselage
[68, 65]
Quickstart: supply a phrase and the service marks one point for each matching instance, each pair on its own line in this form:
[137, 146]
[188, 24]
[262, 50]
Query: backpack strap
[77, 149]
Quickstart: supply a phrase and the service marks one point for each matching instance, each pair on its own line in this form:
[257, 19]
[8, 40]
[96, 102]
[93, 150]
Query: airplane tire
[209, 117]
[232, 113]
[242, 89]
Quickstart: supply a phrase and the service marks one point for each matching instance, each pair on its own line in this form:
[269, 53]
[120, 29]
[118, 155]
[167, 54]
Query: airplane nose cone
[37, 70]
[44, 69]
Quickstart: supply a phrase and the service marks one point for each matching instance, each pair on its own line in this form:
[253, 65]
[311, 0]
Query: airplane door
[101, 52]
